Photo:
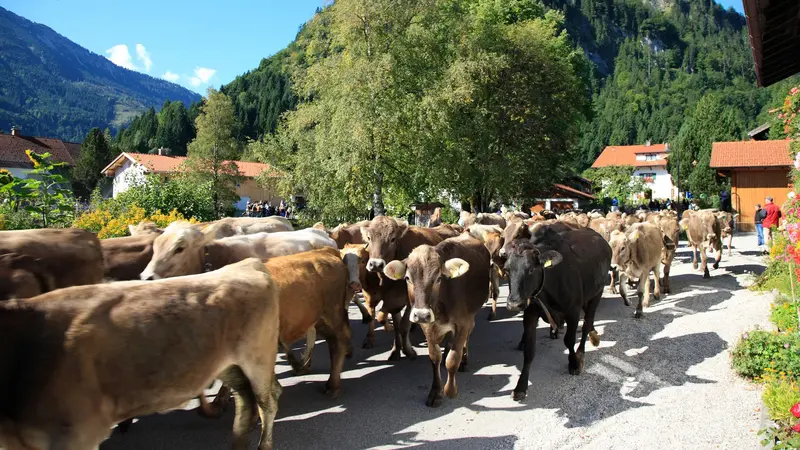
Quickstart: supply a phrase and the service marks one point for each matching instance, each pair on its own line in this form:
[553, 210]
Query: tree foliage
[212, 154]
[96, 153]
[44, 193]
[615, 182]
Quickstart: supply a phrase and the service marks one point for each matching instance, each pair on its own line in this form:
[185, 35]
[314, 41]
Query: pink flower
[786, 345]
[796, 428]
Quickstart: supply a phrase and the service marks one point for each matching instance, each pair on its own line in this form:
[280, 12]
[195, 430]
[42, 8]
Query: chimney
[15, 131]
[160, 151]
[647, 144]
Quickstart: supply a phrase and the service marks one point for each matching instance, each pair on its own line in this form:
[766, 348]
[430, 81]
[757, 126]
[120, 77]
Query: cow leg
[305, 363]
[643, 289]
[267, 390]
[719, 257]
[694, 257]
[529, 321]
[398, 339]
[657, 282]
[369, 340]
[366, 317]
[405, 332]
[494, 286]
[453, 363]
[464, 357]
[730, 245]
[665, 283]
[297, 366]
[245, 402]
[614, 276]
[704, 262]
[338, 345]
[588, 330]
[435, 353]
[623, 288]
[521, 345]
[569, 341]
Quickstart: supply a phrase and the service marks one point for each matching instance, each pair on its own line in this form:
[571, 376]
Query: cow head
[179, 251]
[517, 229]
[21, 276]
[670, 231]
[620, 249]
[381, 238]
[355, 258]
[424, 271]
[143, 228]
[525, 266]
[710, 230]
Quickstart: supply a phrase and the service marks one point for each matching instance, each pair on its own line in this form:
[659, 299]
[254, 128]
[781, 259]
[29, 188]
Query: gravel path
[660, 382]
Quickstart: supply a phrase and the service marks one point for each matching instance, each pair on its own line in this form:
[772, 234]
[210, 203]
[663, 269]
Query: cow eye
[439, 279]
[393, 240]
[178, 250]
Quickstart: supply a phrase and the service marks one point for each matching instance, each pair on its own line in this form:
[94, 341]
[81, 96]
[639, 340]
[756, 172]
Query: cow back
[124, 258]
[465, 294]
[70, 257]
[413, 238]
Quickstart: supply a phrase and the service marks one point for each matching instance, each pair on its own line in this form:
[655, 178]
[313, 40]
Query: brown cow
[370, 289]
[446, 231]
[726, 227]
[389, 240]
[670, 233]
[76, 361]
[583, 220]
[124, 258]
[348, 234]
[635, 254]
[63, 258]
[448, 283]
[492, 238]
[703, 232]
[490, 219]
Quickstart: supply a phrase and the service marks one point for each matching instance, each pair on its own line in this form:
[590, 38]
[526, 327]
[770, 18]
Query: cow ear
[550, 258]
[455, 267]
[210, 233]
[132, 230]
[396, 270]
[402, 226]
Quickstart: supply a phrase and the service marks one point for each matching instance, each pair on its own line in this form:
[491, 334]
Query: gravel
[663, 382]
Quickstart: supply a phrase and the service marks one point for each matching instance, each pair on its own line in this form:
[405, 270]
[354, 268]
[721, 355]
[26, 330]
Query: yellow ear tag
[548, 263]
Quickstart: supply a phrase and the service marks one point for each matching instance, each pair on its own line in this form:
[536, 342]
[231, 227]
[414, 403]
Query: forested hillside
[50, 86]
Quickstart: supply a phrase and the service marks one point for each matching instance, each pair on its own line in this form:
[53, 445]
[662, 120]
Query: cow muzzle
[355, 286]
[502, 252]
[376, 265]
[515, 304]
[149, 275]
[422, 315]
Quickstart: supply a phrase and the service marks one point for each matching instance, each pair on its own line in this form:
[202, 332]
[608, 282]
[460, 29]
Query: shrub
[761, 353]
[779, 396]
[108, 225]
[784, 315]
[177, 192]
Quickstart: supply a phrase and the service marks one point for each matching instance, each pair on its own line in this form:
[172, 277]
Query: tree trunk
[377, 197]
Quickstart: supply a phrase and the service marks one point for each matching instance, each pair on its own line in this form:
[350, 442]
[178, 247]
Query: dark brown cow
[389, 240]
[549, 273]
[62, 258]
[125, 258]
[75, 361]
[448, 283]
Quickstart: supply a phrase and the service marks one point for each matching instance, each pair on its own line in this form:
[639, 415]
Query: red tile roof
[165, 164]
[12, 150]
[750, 154]
[625, 155]
[566, 188]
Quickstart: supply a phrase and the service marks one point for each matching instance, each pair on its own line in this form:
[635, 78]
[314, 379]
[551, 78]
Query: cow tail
[594, 338]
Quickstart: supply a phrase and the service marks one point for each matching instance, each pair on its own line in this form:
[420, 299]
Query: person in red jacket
[772, 216]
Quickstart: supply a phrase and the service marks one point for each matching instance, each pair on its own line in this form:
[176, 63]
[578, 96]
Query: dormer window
[650, 157]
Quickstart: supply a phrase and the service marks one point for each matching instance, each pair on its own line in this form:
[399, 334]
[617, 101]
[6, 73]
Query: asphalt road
[663, 381]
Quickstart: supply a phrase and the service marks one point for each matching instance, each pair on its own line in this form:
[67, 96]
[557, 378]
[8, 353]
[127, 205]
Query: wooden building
[574, 193]
[774, 38]
[757, 169]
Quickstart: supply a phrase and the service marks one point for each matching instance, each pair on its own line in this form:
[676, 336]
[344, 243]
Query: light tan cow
[490, 219]
[670, 234]
[76, 361]
[726, 226]
[234, 226]
[635, 254]
[704, 235]
[33, 262]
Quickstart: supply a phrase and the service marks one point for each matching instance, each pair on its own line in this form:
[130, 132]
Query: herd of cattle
[96, 333]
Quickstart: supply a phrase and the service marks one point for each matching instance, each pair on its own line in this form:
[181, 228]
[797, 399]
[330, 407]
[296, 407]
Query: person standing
[772, 216]
[759, 218]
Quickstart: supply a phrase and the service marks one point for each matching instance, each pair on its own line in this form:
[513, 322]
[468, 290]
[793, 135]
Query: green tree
[96, 153]
[44, 193]
[174, 128]
[615, 182]
[212, 154]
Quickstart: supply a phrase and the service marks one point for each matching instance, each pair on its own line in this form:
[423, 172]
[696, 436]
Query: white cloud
[120, 56]
[169, 76]
[144, 57]
[201, 76]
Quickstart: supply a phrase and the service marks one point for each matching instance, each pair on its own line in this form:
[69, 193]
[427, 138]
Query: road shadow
[382, 403]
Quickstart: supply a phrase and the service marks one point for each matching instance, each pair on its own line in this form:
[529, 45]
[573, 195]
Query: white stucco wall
[16, 172]
[127, 175]
[661, 185]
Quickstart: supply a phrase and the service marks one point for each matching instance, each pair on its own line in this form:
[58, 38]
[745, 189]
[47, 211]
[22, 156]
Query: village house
[130, 168]
[15, 161]
[757, 169]
[573, 193]
[649, 162]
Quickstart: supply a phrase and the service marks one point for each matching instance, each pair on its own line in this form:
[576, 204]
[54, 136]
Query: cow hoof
[637, 315]
[715, 266]
[656, 297]
[305, 370]
[410, 353]
[553, 334]
[521, 346]
[519, 395]
[694, 265]
[491, 316]
[434, 400]
[626, 301]
[574, 367]
[395, 356]
[368, 344]
[366, 319]
[451, 393]
[333, 394]
[706, 275]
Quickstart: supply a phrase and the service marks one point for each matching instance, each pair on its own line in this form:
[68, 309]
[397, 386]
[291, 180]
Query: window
[647, 177]
[650, 157]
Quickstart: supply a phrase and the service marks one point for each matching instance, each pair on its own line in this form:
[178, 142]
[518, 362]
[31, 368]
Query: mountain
[50, 86]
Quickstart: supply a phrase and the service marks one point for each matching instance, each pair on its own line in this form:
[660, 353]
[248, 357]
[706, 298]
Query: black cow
[565, 272]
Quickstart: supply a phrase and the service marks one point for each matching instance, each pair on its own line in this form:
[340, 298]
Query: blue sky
[196, 44]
